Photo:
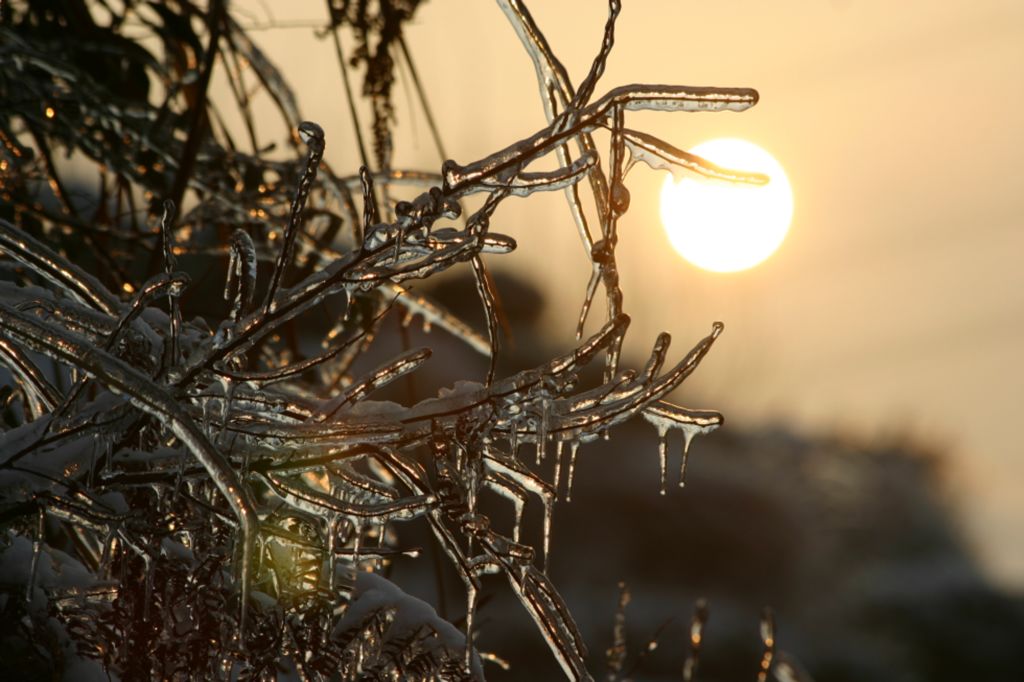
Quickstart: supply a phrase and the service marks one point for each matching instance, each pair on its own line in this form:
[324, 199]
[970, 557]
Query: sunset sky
[896, 305]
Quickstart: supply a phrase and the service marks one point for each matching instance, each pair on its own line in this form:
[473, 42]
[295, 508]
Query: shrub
[192, 489]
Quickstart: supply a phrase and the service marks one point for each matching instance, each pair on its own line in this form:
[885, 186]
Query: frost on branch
[190, 497]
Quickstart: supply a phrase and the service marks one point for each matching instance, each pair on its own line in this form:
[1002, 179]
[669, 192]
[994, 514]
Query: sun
[722, 226]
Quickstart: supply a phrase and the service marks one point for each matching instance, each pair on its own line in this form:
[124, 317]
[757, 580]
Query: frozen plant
[190, 499]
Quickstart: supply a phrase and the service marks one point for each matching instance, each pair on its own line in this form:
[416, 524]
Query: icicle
[174, 305]
[688, 433]
[332, 538]
[664, 417]
[542, 431]
[37, 548]
[573, 449]
[470, 612]
[109, 547]
[99, 445]
[558, 467]
[356, 542]
[433, 314]
[663, 453]
[380, 523]
[549, 507]
[471, 481]
[148, 598]
[513, 440]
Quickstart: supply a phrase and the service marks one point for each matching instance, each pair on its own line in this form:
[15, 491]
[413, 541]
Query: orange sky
[896, 304]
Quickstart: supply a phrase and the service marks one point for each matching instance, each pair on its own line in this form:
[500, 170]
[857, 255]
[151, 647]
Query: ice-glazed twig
[313, 135]
[460, 179]
[155, 401]
[556, 91]
[285, 371]
[378, 378]
[172, 285]
[240, 287]
[547, 609]
[271, 79]
[586, 88]
[41, 395]
[305, 498]
[661, 155]
[68, 277]
[488, 297]
[370, 210]
[523, 184]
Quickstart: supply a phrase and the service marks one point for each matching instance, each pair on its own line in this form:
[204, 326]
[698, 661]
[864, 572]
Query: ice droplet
[620, 198]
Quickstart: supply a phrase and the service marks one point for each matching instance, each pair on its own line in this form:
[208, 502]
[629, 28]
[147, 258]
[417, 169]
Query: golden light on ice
[725, 227]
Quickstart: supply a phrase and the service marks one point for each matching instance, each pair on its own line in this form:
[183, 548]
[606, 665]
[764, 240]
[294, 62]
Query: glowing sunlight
[725, 227]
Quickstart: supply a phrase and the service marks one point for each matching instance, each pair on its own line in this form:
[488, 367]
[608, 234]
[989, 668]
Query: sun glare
[726, 227]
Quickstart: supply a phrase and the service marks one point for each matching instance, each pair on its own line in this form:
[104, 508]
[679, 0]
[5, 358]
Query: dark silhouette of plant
[207, 496]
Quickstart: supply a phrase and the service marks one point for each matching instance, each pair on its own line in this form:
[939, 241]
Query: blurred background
[866, 483]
